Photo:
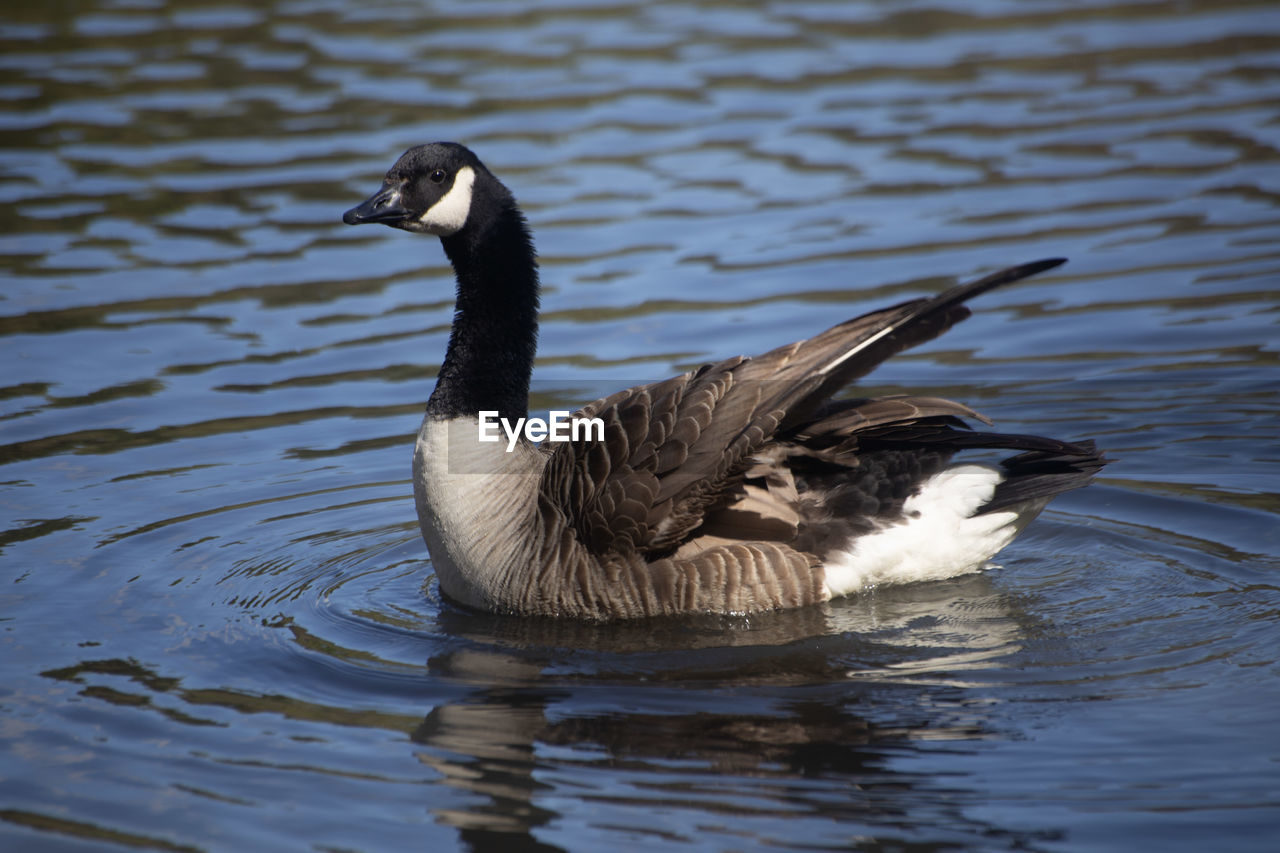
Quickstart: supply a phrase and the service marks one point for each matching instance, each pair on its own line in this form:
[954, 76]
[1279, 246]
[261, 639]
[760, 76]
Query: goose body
[737, 487]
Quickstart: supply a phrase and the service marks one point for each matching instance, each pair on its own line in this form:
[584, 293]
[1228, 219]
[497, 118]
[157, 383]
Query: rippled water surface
[220, 630]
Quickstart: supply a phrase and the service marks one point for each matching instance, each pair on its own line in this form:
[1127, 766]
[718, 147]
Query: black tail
[1039, 475]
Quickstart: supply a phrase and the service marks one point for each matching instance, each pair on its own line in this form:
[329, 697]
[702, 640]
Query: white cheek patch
[449, 214]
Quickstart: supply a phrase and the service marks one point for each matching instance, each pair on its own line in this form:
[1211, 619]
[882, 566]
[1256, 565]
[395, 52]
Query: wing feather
[675, 448]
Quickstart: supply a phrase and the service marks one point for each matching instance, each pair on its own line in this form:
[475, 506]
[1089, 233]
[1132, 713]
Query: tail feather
[1041, 475]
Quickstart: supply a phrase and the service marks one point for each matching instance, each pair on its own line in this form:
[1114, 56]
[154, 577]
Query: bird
[742, 486]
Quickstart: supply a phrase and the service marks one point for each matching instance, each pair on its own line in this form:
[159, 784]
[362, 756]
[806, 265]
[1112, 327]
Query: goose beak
[383, 206]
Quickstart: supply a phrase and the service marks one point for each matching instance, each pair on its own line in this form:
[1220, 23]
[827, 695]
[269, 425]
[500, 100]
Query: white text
[559, 426]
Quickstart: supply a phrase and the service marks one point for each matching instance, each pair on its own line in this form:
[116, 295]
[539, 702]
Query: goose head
[442, 189]
[432, 189]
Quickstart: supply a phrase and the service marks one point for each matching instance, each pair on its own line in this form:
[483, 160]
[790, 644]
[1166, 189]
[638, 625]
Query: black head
[429, 190]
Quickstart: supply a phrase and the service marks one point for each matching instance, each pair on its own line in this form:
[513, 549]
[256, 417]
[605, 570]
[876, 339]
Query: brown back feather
[674, 448]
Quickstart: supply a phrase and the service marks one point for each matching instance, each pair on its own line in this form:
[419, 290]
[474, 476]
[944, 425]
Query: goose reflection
[797, 711]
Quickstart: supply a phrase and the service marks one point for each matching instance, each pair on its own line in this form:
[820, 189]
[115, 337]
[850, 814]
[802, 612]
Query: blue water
[219, 629]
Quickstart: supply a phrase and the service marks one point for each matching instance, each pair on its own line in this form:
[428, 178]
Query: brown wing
[675, 448]
[667, 451]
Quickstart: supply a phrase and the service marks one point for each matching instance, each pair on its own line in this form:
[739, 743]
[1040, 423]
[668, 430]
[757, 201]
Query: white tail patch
[940, 538]
[449, 214]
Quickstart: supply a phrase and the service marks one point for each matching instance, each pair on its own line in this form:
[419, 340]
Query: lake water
[219, 628]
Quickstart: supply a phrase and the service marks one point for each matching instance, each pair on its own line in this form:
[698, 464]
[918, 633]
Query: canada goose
[737, 487]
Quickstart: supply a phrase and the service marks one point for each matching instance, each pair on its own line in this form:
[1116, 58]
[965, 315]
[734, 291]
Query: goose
[738, 487]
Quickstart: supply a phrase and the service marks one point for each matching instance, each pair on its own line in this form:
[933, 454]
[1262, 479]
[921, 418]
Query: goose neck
[489, 360]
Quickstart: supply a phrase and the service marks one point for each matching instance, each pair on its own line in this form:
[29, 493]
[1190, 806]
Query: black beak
[383, 206]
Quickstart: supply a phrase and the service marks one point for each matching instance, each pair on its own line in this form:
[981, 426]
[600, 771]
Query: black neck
[495, 325]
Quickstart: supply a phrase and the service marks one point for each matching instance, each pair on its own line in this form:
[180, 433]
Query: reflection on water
[220, 628]
[754, 767]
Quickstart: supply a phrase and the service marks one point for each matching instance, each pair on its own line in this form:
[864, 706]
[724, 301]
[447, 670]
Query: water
[220, 629]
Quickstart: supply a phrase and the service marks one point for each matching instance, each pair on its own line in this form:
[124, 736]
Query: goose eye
[437, 176]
